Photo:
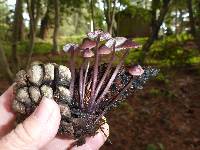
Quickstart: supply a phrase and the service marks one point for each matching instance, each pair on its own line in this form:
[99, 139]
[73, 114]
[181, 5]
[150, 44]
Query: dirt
[164, 115]
[168, 119]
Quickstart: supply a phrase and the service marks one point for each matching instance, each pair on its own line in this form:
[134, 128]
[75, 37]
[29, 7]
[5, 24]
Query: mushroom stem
[81, 86]
[112, 77]
[105, 74]
[116, 97]
[72, 68]
[124, 89]
[85, 76]
[95, 74]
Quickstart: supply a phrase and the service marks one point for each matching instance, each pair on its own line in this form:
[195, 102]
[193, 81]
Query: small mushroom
[103, 50]
[71, 48]
[136, 70]
[121, 43]
[103, 35]
[117, 40]
[87, 53]
[128, 44]
[87, 43]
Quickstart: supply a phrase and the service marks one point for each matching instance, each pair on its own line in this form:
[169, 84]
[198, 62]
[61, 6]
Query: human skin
[39, 130]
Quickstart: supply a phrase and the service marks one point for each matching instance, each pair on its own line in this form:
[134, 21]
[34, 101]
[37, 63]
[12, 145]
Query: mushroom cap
[121, 43]
[117, 40]
[87, 53]
[87, 43]
[128, 44]
[103, 49]
[136, 70]
[69, 46]
[103, 35]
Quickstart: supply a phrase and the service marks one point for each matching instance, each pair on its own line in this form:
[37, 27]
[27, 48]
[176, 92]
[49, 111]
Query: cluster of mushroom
[85, 93]
[95, 44]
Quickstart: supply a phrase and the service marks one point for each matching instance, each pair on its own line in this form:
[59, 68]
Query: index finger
[7, 115]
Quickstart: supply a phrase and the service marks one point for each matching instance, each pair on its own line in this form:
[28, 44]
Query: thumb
[37, 130]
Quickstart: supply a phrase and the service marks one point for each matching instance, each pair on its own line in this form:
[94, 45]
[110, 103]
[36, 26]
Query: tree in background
[18, 19]
[56, 26]
[92, 22]
[191, 18]
[109, 11]
[4, 62]
[46, 20]
[156, 21]
[34, 11]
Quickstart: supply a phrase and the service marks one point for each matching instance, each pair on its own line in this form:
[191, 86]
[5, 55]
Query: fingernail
[45, 109]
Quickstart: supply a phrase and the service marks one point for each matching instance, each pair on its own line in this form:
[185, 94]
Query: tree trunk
[181, 21]
[176, 22]
[37, 13]
[198, 23]
[31, 10]
[155, 26]
[92, 15]
[21, 35]
[44, 25]
[191, 16]
[56, 27]
[109, 11]
[5, 64]
[15, 36]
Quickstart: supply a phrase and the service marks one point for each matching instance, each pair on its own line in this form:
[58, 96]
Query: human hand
[39, 130]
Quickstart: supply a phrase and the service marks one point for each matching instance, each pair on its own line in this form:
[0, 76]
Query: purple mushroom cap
[103, 35]
[128, 44]
[136, 70]
[103, 50]
[87, 43]
[87, 53]
[69, 46]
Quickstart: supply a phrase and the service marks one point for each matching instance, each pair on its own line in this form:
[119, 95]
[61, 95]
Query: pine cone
[49, 80]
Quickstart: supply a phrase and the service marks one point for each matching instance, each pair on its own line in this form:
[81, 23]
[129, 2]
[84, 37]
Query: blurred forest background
[163, 116]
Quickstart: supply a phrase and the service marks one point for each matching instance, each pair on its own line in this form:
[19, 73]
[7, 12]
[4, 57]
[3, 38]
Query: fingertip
[100, 138]
[95, 142]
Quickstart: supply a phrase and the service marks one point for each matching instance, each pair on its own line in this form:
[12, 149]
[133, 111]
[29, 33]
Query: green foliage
[159, 146]
[154, 92]
[169, 51]
[151, 147]
[161, 77]
[4, 20]
[172, 51]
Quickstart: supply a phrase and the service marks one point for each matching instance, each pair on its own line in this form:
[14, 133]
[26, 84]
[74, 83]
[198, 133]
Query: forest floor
[162, 116]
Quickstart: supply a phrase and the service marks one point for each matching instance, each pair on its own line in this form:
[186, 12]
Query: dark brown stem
[116, 97]
[105, 74]
[112, 77]
[123, 90]
[95, 74]
[85, 76]
[72, 69]
[81, 85]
